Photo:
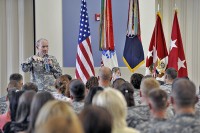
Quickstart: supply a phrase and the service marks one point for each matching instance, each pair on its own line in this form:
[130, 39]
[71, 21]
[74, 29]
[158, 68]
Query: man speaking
[44, 68]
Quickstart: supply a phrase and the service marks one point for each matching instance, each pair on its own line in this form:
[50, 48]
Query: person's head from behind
[128, 91]
[38, 101]
[114, 102]
[116, 73]
[94, 90]
[60, 124]
[68, 76]
[61, 84]
[77, 90]
[170, 75]
[158, 100]
[91, 82]
[24, 105]
[13, 84]
[146, 86]
[17, 77]
[183, 94]
[52, 109]
[30, 86]
[14, 100]
[96, 120]
[117, 83]
[104, 76]
[42, 47]
[136, 79]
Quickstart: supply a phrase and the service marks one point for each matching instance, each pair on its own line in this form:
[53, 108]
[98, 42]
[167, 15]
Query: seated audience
[30, 86]
[91, 82]
[135, 80]
[61, 84]
[94, 90]
[117, 83]
[96, 120]
[23, 111]
[116, 73]
[170, 75]
[38, 101]
[13, 105]
[105, 77]
[52, 109]
[114, 102]
[158, 104]
[142, 111]
[183, 100]
[77, 94]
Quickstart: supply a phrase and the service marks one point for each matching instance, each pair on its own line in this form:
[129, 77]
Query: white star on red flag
[181, 63]
[173, 44]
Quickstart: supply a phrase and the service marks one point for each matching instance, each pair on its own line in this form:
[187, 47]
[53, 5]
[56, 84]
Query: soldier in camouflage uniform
[170, 75]
[139, 114]
[77, 94]
[44, 68]
[183, 99]
[158, 103]
[135, 80]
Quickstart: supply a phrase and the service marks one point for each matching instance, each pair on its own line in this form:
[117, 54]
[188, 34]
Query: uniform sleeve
[27, 65]
[55, 68]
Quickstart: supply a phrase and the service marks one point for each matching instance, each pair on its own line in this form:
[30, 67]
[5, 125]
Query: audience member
[158, 103]
[23, 111]
[13, 105]
[114, 102]
[53, 109]
[105, 76]
[30, 86]
[170, 75]
[94, 90]
[17, 77]
[96, 120]
[77, 94]
[116, 73]
[117, 83]
[38, 101]
[135, 80]
[61, 86]
[183, 99]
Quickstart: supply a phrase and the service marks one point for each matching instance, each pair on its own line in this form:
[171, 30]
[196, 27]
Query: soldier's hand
[37, 58]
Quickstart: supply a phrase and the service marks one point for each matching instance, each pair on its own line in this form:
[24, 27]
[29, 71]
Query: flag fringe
[135, 68]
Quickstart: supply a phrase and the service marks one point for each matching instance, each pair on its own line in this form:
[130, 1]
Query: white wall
[49, 25]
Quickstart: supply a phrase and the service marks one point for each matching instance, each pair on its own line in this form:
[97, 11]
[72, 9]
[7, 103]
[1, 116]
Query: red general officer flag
[176, 52]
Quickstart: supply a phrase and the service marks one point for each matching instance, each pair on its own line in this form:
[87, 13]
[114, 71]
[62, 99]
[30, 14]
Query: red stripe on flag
[77, 75]
[85, 54]
[82, 67]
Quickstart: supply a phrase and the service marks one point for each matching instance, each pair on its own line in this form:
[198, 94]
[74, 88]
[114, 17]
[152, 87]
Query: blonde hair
[148, 84]
[53, 109]
[114, 102]
[61, 124]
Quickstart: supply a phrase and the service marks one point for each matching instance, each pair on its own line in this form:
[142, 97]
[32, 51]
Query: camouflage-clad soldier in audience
[158, 103]
[135, 80]
[44, 68]
[77, 94]
[142, 111]
[183, 99]
[170, 75]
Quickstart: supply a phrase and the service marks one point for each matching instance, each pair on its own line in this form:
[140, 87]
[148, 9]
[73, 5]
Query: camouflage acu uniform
[185, 123]
[138, 114]
[78, 106]
[146, 126]
[3, 105]
[137, 97]
[167, 88]
[42, 78]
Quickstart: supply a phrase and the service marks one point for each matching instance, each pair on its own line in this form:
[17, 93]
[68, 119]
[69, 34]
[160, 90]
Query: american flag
[84, 59]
